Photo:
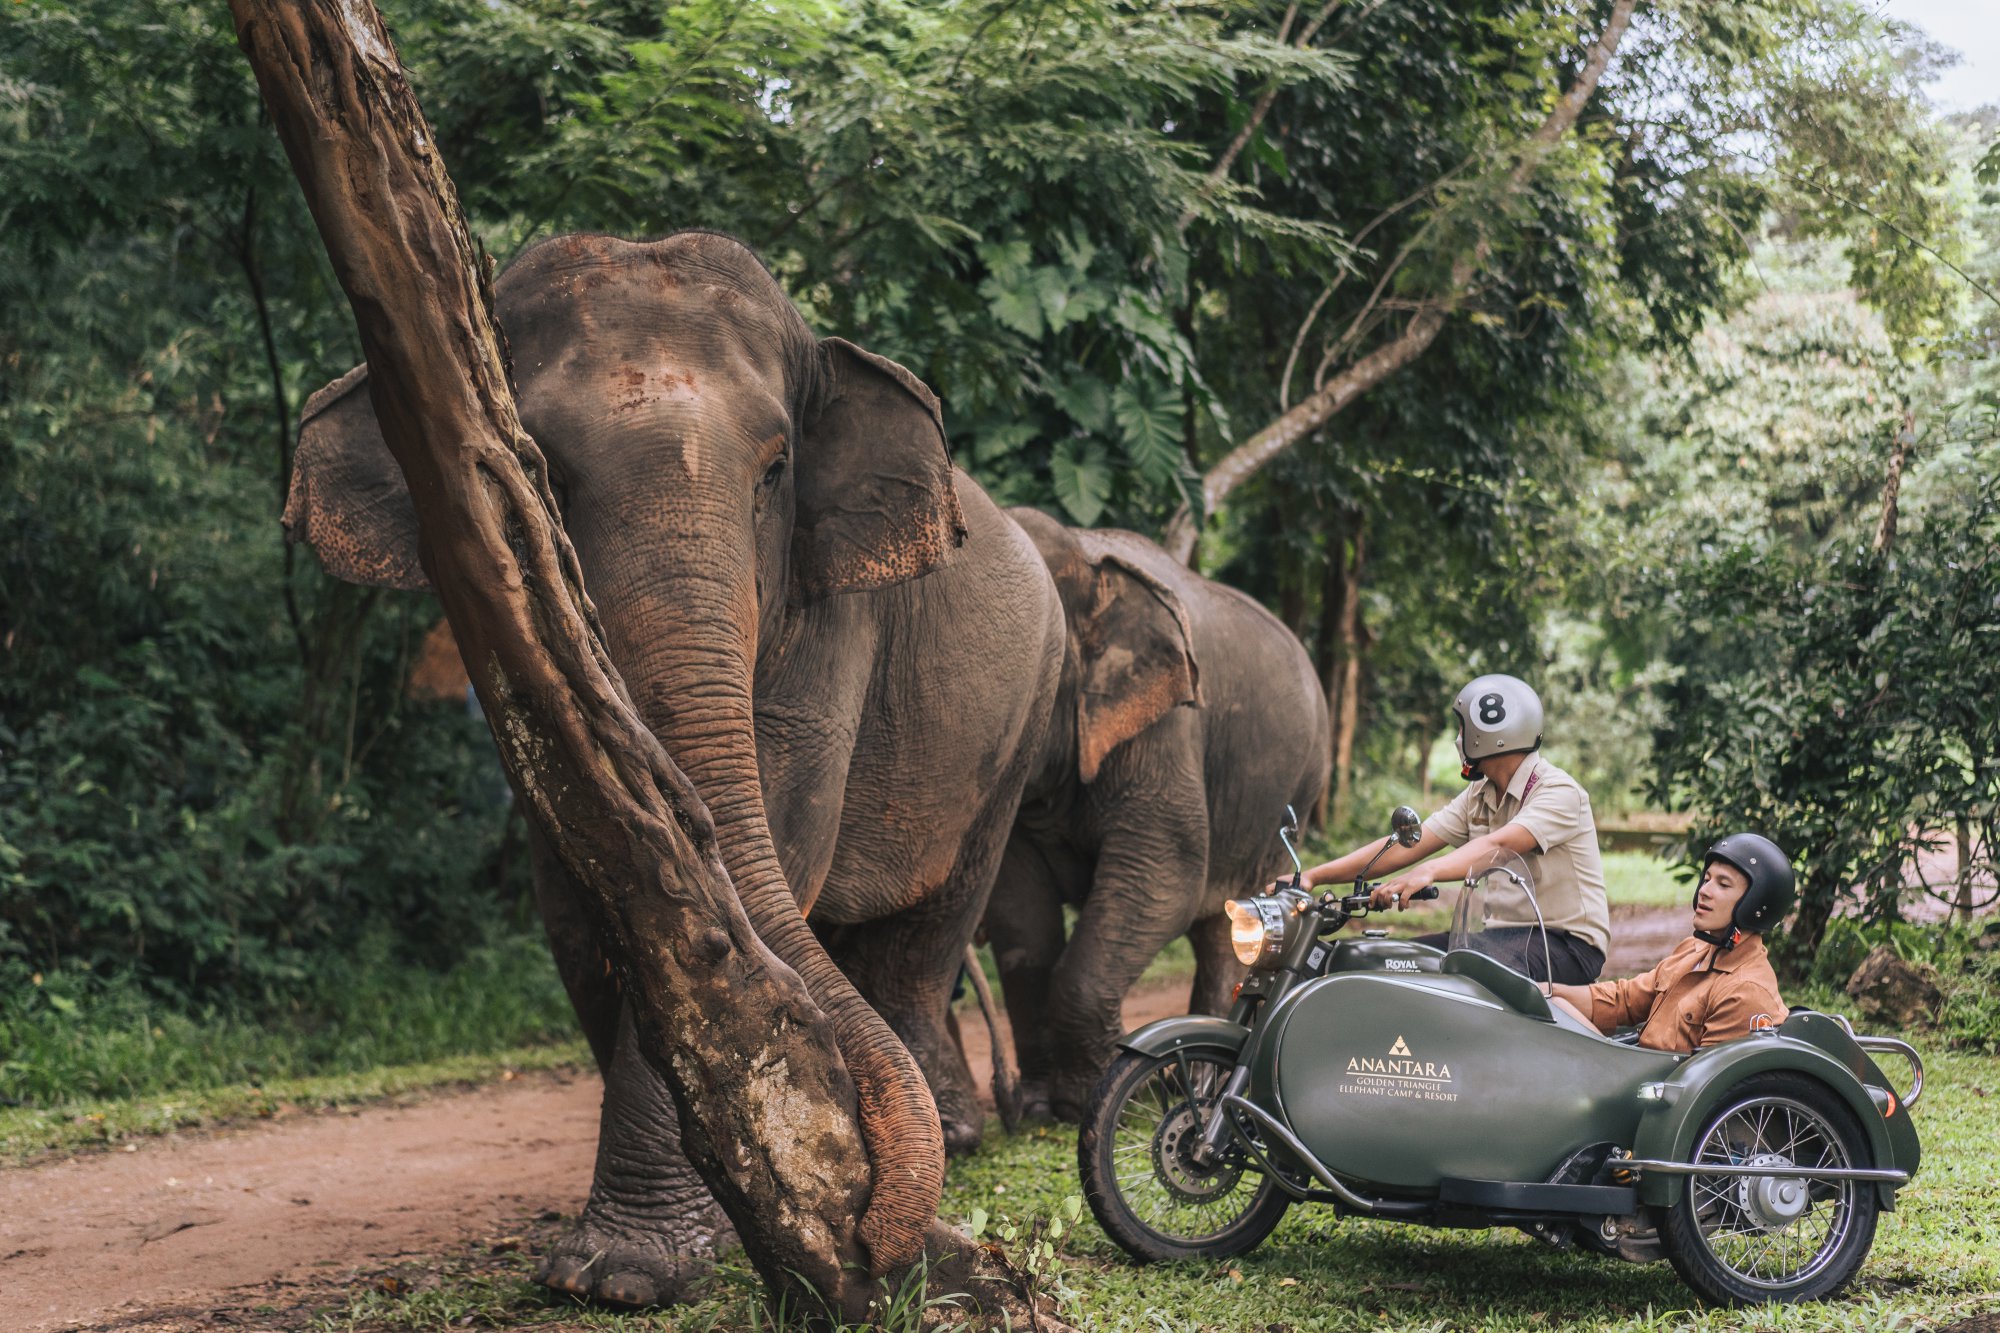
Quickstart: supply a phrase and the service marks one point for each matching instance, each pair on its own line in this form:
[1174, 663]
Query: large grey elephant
[1187, 718]
[849, 649]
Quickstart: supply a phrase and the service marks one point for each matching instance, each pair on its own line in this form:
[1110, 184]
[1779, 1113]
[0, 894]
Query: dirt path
[185, 1218]
[182, 1225]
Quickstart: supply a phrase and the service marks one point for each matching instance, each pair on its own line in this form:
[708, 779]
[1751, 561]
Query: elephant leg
[1216, 970]
[905, 965]
[1152, 867]
[651, 1227]
[585, 971]
[1024, 924]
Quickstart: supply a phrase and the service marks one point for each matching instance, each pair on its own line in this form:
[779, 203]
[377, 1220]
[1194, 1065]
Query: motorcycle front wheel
[1139, 1173]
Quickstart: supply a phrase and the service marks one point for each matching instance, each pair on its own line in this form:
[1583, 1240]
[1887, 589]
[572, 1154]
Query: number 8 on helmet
[1496, 715]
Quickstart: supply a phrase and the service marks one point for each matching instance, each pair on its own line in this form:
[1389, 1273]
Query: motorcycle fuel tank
[1380, 955]
[1401, 1081]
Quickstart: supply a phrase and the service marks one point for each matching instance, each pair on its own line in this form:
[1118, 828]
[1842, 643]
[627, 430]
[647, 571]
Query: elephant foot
[616, 1263]
[1070, 1094]
[1035, 1106]
[962, 1129]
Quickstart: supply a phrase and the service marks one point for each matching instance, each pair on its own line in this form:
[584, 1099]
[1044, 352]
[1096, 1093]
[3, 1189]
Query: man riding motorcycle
[1518, 802]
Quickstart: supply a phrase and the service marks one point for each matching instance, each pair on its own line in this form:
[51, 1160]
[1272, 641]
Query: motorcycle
[1390, 1079]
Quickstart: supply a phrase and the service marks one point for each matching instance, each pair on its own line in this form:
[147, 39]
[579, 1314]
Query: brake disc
[1173, 1159]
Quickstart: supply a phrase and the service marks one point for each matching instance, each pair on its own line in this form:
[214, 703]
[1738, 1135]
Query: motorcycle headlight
[1256, 930]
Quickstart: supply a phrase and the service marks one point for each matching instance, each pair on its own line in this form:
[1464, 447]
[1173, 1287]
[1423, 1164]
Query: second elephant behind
[1187, 718]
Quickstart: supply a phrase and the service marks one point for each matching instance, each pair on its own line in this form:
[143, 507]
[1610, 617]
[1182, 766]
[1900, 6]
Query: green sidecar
[1397, 1081]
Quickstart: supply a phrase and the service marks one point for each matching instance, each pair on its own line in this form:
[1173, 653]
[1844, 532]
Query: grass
[28, 1133]
[1936, 1260]
[94, 1066]
[1643, 880]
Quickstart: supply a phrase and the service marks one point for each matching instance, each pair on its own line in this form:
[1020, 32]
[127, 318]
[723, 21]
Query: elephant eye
[773, 472]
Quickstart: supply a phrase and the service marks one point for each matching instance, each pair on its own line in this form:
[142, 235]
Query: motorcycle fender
[1171, 1034]
[1700, 1083]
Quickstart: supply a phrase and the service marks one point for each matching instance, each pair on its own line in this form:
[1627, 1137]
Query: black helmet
[1772, 891]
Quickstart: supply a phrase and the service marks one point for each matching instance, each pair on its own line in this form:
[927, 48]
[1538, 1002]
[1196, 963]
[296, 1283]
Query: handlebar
[1348, 906]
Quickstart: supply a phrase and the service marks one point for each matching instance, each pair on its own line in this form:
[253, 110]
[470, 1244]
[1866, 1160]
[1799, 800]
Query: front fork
[1217, 1126]
[1252, 1003]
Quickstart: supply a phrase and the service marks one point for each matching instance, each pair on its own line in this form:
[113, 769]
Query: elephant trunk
[690, 652]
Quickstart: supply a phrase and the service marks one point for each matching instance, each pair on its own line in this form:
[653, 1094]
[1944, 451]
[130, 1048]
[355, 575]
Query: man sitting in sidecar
[1518, 802]
[1719, 979]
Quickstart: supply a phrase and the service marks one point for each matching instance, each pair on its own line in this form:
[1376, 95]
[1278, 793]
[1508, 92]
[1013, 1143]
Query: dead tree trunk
[771, 1117]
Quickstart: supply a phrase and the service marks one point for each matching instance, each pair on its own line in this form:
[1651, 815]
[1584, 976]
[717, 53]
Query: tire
[1741, 1241]
[1161, 1206]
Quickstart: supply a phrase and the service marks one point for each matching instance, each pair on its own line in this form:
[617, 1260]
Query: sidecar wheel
[1147, 1192]
[1741, 1240]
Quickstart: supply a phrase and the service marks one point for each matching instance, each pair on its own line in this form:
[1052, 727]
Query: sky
[1972, 27]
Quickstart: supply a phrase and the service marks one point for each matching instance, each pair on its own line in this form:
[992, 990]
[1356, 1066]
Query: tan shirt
[1699, 995]
[1565, 866]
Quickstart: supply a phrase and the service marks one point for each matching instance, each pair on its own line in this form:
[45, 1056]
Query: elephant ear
[1134, 645]
[876, 504]
[347, 498]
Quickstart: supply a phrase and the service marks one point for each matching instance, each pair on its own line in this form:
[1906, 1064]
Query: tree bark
[1326, 643]
[1892, 486]
[770, 1115]
[1963, 845]
[1347, 720]
[1324, 403]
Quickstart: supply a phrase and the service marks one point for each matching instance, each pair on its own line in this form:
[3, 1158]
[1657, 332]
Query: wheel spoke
[1739, 1219]
[1153, 1136]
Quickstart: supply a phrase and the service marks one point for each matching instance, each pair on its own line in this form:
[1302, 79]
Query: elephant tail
[1006, 1084]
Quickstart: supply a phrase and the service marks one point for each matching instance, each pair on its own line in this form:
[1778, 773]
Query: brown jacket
[1699, 995]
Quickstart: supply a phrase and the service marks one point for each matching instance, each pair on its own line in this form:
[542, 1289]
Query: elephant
[842, 640]
[1187, 718]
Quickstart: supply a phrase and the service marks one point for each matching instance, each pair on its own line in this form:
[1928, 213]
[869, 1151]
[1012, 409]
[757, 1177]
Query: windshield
[1497, 915]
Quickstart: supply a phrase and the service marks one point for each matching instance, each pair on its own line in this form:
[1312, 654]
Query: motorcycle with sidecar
[1394, 1080]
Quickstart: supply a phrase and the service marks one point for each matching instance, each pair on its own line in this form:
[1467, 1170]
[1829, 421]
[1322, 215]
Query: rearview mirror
[1286, 832]
[1405, 826]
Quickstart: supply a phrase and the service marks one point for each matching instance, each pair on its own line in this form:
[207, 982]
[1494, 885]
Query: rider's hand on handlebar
[1401, 891]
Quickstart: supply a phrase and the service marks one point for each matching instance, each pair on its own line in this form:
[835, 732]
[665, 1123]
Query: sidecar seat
[1516, 991]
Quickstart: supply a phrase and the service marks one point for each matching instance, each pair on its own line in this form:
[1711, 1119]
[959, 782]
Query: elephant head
[1131, 649]
[717, 466]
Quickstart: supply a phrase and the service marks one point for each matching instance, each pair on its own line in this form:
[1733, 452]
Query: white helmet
[1496, 715]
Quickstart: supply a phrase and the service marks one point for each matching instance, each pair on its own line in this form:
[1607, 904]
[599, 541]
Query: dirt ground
[234, 1228]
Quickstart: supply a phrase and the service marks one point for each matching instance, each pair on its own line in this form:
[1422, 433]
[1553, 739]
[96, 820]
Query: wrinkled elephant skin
[847, 647]
[1187, 718]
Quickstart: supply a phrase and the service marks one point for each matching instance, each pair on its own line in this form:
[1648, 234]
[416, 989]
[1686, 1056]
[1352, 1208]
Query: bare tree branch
[1220, 171]
[1293, 425]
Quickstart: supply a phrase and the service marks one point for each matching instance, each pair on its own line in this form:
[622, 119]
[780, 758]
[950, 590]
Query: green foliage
[90, 1060]
[1966, 962]
[1839, 702]
[209, 774]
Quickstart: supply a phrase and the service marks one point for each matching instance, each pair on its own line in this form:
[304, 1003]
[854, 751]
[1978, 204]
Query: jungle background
[1705, 448]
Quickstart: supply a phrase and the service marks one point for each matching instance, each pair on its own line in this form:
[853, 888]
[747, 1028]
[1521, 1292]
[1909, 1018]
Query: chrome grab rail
[1882, 1174]
[1894, 1046]
[1270, 1124]
[1548, 963]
